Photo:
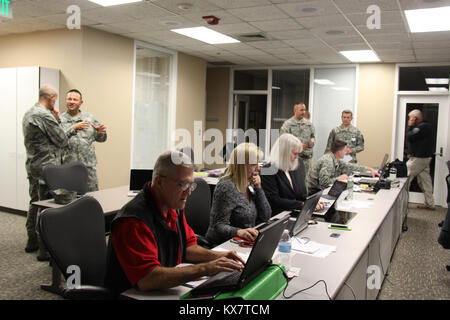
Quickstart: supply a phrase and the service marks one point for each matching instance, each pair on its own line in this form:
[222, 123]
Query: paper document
[347, 158]
[312, 248]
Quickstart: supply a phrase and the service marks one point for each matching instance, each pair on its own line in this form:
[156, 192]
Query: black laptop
[138, 177]
[305, 214]
[260, 257]
[336, 189]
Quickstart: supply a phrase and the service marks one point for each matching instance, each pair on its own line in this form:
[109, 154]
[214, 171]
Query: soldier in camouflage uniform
[331, 167]
[84, 129]
[44, 139]
[349, 134]
[303, 129]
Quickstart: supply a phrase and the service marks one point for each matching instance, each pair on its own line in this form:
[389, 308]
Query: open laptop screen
[306, 213]
[138, 177]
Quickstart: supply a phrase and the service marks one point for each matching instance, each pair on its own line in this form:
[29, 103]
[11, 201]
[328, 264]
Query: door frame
[439, 192]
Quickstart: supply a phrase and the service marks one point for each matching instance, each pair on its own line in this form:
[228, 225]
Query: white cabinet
[19, 90]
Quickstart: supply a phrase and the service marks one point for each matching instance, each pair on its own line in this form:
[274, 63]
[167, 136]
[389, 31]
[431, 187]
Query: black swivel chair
[197, 210]
[71, 176]
[75, 236]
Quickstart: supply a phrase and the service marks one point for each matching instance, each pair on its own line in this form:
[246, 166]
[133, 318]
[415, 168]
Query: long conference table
[355, 270]
[362, 255]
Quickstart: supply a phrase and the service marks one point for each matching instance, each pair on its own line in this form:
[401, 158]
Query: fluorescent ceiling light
[436, 80]
[108, 3]
[324, 82]
[360, 55]
[428, 20]
[206, 35]
[340, 88]
[438, 89]
[276, 88]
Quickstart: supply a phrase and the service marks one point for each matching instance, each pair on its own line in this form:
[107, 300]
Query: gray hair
[281, 152]
[168, 161]
[416, 113]
[47, 90]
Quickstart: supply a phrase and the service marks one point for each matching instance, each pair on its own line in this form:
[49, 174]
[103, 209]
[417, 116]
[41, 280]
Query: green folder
[266, 286]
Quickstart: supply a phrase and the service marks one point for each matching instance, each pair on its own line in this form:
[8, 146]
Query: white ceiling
[297, 31]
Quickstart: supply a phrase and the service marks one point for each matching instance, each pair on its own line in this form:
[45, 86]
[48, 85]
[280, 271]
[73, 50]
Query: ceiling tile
[290, 34]
[224, 16]
[172, 5]
[268, 44]
[360, 6]
[277, 25]
[235, 28]
[230, 4]
[309, 8]
[258, 13]
[328, 21]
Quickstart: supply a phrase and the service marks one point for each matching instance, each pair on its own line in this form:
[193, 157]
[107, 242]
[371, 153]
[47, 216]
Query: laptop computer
[138, 177]
[335, 191]
[379, 169]
[305, 214]
[260, 257]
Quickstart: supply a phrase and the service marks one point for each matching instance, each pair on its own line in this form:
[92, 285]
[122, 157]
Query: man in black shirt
[420, 150]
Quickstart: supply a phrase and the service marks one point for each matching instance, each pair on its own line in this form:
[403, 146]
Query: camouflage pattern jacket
[302, 129]
[325, 170]
[351, 135]
[81, 143]
[44, 139]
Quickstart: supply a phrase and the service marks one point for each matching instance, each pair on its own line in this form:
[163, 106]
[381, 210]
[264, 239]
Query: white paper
[312, 248]
[347, 158]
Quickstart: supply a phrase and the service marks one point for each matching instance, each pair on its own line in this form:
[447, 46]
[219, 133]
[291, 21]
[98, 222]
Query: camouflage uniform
[325, 170]
[81, 144]
[304, 130]
[44, 139]
[351, 135]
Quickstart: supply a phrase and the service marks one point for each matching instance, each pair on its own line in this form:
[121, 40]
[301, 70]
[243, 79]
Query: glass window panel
[151, 106]
[413, 78]
[288, 88]
[334, 91]
[250, 79]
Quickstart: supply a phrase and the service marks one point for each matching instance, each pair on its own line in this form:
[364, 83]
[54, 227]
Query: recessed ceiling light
[360, 55]
[428, 20]
[438, 89]
[324, 82]
[108, 3]
[206, 35]
[436, 80]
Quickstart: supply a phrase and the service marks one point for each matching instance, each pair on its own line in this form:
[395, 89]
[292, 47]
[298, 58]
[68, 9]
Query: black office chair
[71, 176]
[197, 210]
[75, 236]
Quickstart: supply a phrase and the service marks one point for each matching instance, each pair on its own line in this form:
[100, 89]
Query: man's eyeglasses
[184, 185]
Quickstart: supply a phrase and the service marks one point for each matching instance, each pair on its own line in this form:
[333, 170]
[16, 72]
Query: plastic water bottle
[392, 173]
[284, 250]
[350, 188]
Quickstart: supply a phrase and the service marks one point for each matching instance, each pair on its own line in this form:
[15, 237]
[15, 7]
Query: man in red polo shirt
[150, 235]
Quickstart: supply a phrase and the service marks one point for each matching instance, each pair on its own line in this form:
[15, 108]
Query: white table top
[335, 268]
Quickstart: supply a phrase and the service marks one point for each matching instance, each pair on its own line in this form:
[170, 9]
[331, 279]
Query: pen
[339, 228]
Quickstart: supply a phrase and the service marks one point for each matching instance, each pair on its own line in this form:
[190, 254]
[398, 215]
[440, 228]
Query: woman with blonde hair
[286, 189]
[239, 203]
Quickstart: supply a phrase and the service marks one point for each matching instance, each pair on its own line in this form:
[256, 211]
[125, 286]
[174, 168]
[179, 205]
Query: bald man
[44, 139]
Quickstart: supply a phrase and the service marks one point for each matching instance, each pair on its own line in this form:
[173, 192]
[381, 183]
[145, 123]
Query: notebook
[260, 257]
[138, 177]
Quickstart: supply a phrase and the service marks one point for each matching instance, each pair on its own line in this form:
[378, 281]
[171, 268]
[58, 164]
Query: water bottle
[350, 188]
[284, 250]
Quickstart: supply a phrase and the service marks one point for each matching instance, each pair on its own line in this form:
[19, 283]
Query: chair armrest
[86, 292]
[203, 242]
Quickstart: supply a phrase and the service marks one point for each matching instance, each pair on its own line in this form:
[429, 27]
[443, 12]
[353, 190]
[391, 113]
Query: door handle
[441, 153]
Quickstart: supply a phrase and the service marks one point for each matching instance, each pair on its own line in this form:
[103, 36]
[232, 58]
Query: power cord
[302, 290]
[353, 292]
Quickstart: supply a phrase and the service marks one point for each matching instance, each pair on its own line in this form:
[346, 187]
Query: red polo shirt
[136, 247]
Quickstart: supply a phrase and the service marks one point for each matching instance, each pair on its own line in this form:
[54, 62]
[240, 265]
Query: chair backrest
[74, 234]
[198, 206]
[447, 179]
[71, 176]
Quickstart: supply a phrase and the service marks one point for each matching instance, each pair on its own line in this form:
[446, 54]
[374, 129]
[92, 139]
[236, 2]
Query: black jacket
[420, 141]
[143, 207]
[279, 192]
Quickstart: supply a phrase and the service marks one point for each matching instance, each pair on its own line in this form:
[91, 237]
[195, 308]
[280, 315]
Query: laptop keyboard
[220, 280]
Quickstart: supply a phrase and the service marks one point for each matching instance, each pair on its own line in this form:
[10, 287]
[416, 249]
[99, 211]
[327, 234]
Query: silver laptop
[138, 178]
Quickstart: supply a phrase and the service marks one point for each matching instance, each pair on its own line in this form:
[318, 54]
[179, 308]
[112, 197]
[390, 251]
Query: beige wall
[376, 90]
[191, 97]
[101, 66]
[217, 91]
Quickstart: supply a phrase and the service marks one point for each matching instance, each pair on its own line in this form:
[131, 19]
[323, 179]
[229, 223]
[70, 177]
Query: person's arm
[415, 133]
[326, 176]
[52, 127]
[100, 130]
[330, 141]
[359, 143]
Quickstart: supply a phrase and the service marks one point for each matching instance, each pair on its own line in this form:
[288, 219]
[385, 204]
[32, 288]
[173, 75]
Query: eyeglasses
[184, 185]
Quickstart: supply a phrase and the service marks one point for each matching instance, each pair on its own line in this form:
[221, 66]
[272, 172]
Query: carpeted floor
[417, 270]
